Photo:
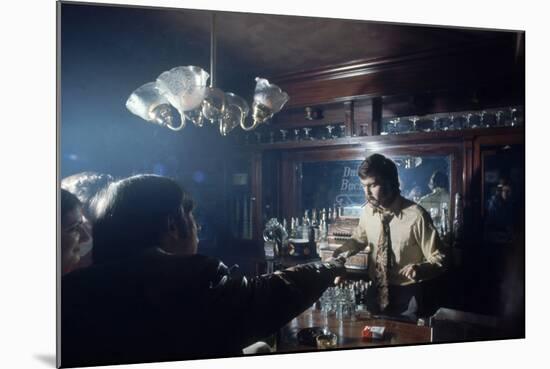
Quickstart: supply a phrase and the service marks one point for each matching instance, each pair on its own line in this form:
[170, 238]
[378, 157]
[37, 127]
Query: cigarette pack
[373, 332]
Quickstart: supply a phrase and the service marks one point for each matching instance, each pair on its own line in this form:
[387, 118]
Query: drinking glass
[342, 130]
[284, 134]
[425, 124]
[330, 128]
[392, 126]
[483, 120]
[306, 133]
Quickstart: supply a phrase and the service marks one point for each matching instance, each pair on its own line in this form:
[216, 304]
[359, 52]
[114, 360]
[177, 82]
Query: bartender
[405, 249]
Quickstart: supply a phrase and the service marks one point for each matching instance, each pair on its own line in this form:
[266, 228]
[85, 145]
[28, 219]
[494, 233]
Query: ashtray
[326, 341]
[308, 336]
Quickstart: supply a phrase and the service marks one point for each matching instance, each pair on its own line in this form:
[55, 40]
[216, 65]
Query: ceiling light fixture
[185, 89]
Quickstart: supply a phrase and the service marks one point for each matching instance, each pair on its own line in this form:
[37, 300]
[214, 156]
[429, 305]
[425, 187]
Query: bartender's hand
[410, 271]
[351, 246]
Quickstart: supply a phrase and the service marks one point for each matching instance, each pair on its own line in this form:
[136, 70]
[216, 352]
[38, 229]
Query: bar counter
[349, 331]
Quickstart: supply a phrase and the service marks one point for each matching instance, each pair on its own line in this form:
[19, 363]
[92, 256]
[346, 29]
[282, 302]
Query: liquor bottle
[293, 227]
[339, 211]
[316, 230]
[306, 220]
[444, 225]
[306, 223]
[314, 218]
[457, 221]
[323, 231]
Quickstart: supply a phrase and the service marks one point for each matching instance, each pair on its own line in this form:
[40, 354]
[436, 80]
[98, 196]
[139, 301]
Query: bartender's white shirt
[413, 236]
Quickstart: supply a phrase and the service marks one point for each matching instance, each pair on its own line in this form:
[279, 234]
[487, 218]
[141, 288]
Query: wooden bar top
[349, 331]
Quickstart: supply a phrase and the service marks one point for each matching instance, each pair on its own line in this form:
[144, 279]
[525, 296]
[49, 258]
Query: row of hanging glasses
[328, 132]
[489, 118]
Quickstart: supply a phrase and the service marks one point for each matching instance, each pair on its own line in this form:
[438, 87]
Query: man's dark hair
[68, 203]
[132, 215]
[379, 166]
[439, 180]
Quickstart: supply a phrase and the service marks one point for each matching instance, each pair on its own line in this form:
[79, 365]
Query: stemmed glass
[306, 134]
[482, 120]
[513, 117]
[414, 120]
[451, 122]
[394, 123]
[329, 129]
[499, 118]
[296, 134]
[342, 130]
[284, 133]
[471, 124]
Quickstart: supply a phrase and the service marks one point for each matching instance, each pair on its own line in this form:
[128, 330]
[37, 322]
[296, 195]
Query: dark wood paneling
[473, 98]
[376, 125]
[467, 175]
[469, 67]
[256, 195]
[290, 196]
[363, 117]
[349, 119]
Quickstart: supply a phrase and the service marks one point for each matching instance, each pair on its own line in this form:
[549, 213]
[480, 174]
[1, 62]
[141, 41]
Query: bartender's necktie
[383, 260]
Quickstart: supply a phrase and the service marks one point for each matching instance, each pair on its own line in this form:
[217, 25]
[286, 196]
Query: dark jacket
[158, 307]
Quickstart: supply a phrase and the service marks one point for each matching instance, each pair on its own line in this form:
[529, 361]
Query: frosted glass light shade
[147, 103]
[269, 95]
[184, 87]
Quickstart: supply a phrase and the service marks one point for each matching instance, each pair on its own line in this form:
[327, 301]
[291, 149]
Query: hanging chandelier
[185, 90]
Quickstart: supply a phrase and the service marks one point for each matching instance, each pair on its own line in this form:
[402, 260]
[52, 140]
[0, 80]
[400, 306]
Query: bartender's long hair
[133, 213]
[377, 165]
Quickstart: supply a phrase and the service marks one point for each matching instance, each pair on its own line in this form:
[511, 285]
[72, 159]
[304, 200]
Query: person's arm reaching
[257, 307]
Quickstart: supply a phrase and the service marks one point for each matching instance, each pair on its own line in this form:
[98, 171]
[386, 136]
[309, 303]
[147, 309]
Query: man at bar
[150, 297]
[405, 248]
[86, 186]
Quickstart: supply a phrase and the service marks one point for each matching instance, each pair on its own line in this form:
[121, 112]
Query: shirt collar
[396, 208]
